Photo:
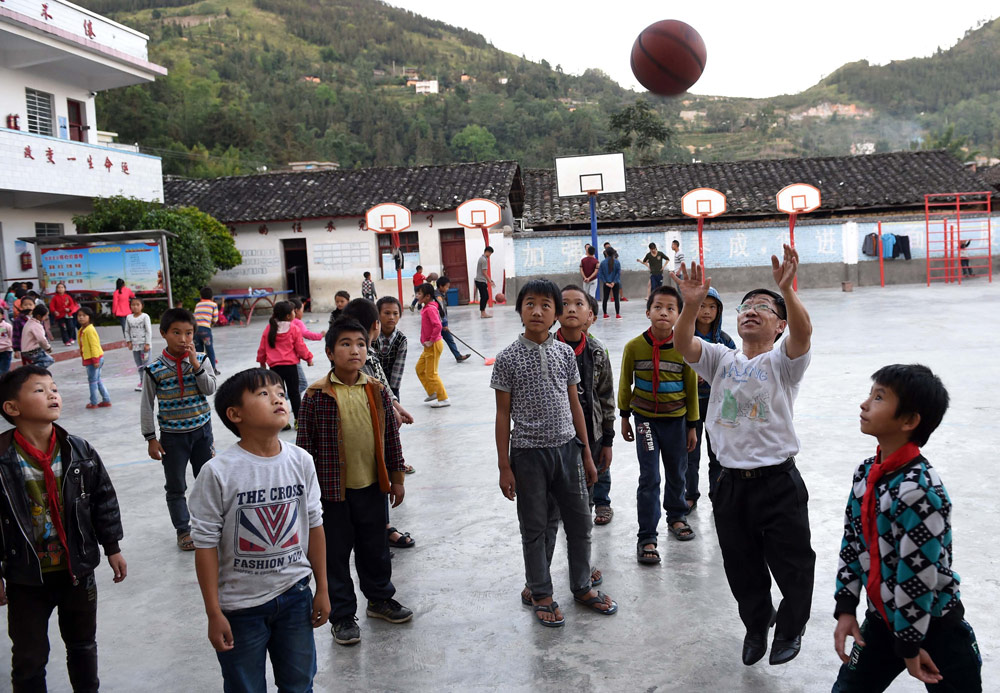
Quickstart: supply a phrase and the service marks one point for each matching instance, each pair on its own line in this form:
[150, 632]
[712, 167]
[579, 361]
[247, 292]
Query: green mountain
[260, 83]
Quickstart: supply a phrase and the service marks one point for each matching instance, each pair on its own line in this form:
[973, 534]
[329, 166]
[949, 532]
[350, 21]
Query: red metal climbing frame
[959, 236]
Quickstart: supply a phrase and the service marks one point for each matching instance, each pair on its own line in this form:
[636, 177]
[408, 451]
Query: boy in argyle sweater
[899, 521]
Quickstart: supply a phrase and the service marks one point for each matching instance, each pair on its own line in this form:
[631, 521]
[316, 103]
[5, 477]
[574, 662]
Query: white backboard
[798, 198]
[583, 175]
[703, 202]
[388, 216]
[478, 213]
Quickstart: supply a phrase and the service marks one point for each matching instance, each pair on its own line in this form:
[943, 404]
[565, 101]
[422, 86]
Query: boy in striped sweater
[662, 391]
[179, 379]
[898, 520]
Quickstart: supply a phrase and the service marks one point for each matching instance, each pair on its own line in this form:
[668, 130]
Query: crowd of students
[273, 525]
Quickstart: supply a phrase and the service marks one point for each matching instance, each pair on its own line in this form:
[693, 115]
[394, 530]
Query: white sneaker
[138, 388]
[441, 403]
[431, 397]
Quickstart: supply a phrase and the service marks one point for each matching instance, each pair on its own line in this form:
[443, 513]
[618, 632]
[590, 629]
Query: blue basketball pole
[593, 219]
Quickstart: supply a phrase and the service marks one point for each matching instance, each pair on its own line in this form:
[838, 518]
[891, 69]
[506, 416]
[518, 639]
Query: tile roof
[287, 195]
[991, 174]
[847, 183]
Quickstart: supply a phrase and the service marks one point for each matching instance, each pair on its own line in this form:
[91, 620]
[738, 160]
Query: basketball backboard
[592, 174]
[798, 198]
[703, 202]
[388, 217]
[478, 213]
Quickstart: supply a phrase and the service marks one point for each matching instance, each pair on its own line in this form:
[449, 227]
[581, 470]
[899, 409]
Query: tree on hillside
[202, 247]
[956, 145]
[474, 143]
[639, 129]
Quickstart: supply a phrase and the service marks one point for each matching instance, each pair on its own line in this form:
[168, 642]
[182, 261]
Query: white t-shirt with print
[751, 408]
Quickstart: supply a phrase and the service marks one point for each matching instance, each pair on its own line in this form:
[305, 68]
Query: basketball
[499, 298]
[668, 57]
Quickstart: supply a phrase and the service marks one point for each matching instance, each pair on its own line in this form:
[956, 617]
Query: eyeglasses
[756, 307]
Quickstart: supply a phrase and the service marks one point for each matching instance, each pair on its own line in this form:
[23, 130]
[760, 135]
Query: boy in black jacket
[50, 539]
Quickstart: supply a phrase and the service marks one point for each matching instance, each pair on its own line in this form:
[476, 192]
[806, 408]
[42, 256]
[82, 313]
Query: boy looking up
[597, 392]
[390, 345]
[346, 424]
[257, 524]
[760, 503]
[547, 453]
[897, 544]
[180, 381]
[57, 508]
[664, 399]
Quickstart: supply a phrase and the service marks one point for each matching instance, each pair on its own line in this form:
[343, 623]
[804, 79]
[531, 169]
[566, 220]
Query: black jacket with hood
[716, 335]
[90, 511]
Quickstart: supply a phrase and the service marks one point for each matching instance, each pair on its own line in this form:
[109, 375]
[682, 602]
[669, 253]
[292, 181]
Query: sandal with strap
[405, 541]
[603, 514]
[647, 556]
[551, 609]
[185, 542]
[594, 602]
[596, 578]
[683, 532]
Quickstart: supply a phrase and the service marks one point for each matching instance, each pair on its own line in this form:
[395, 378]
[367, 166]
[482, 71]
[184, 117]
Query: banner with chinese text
[98, 267]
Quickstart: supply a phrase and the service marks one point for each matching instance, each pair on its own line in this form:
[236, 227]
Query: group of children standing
[267, 519]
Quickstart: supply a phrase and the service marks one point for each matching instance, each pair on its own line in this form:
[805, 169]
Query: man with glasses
[760, 501]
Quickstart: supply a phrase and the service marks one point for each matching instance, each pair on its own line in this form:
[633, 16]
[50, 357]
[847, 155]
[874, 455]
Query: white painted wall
[338, 258]
[20, 223]
[12, 99]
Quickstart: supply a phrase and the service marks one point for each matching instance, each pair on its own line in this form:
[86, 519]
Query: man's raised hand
[784, 271]
[689, 283]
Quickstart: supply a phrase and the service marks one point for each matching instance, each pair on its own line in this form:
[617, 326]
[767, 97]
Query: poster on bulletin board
[98, 267]
[410, 262]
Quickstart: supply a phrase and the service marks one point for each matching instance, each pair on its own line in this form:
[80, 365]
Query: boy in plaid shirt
[390, 345]
[346, 423]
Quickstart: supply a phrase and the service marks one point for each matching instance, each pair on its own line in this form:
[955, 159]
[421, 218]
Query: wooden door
[453, 262]
[76, 124]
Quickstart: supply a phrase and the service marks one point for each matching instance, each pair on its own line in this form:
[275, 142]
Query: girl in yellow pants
[430, 338]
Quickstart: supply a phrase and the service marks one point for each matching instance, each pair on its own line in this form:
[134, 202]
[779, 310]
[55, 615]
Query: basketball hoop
[793, 200]
[590, 175]
[703, 203]
[392, 218]
[479, 213]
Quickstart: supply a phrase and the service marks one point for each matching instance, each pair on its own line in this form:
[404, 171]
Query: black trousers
[616, 290]
[357, 524]
[484, 295]
[28, 611]
[951, 645]
[763, 529]
[290, 374]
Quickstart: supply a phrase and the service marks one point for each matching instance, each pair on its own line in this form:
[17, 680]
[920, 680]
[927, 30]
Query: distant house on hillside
[828, 110]
[427, 86]
[307, 229]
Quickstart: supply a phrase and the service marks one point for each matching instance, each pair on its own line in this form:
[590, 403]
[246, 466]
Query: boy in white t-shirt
[257, 525]
[760, 508]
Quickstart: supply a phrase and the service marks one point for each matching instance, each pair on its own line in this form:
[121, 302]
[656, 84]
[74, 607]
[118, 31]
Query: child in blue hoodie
[708, 326]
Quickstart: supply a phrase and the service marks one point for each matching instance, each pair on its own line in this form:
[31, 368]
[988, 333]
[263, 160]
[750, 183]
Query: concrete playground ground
[677, 628]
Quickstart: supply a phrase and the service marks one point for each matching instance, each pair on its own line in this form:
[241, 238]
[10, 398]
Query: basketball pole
[399, 270]
[791, 242]
[593, 219]
[701, 247]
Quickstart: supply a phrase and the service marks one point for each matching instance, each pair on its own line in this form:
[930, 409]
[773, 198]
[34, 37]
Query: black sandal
[593, 602]
[549, 608]
[405, 541]
[647, 556]
[683, 533]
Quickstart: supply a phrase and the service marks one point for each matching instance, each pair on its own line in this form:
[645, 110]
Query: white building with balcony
[54, 59]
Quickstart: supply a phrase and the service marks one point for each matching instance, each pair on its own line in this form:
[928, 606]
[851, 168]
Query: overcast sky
[755, 48]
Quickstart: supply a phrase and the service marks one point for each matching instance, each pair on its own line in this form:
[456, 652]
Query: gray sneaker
[389, 610]
[346, 631]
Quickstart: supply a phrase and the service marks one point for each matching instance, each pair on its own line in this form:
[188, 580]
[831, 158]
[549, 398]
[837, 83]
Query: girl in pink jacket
[430, 338]
[280, 349]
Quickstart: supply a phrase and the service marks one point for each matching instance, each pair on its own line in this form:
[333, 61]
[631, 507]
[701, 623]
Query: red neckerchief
[44, 460]
[656, 361]
[869, 514]
[178, 360]
[578, 349]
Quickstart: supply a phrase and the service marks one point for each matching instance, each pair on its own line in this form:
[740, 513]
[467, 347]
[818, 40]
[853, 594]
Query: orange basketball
[668, 57]
[500, 298]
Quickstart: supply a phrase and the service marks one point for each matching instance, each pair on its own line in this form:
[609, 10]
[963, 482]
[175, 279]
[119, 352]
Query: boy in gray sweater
[257, 526]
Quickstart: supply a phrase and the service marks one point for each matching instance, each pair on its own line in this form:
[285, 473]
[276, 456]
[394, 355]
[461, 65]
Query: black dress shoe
[754, 647]
[755, 644]
[785, 649]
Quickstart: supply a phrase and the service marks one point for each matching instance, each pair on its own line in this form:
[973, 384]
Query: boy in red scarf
[58, 508]
[899, 520]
